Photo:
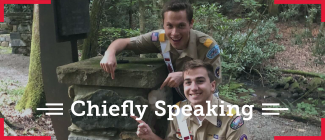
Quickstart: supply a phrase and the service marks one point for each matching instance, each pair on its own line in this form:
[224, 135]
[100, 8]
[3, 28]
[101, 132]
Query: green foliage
[272, 74]
[11, 87]
[291, 13]
[5, 50]
[9, 8]
[227, 93]
[242, 90]
[245, 43]
[108, 35]
[306, 108]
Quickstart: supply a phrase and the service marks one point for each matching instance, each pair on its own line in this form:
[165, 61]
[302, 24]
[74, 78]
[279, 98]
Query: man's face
[197, 86]
[177, 28]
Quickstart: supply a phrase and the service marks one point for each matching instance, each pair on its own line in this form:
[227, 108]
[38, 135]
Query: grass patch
[11, 87]
[5, 50]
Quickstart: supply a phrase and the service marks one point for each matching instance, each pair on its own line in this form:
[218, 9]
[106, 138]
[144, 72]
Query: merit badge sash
[167, 59]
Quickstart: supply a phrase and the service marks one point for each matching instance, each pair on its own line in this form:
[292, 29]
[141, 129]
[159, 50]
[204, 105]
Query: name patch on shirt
[237, 123]
[154, 36]
[213, 52]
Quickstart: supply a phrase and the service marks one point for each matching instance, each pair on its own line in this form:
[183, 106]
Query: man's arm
[108, 62]
[139, 44]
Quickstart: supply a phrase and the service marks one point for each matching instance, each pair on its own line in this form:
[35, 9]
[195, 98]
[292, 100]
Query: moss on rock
[287, 85]
[294, 85]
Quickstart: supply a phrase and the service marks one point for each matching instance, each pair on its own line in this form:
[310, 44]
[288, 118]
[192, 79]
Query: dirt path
[266, 127]
[15, 67]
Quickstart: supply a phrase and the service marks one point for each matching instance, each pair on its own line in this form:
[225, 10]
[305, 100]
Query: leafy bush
[109, 34]
[306, 108]
[245, 43]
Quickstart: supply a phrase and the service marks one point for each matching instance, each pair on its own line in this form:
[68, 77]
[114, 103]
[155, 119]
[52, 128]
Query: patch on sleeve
[154, 36]
[162, 37]
[237, 123]
[217, 72]
[213, 52]
[208, 42]
[243, 137]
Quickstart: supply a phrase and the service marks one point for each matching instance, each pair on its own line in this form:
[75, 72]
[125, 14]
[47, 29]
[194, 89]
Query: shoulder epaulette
[174, 108]
[233, 112]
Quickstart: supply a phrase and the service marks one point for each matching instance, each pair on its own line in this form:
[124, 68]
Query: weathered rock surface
[138, 73]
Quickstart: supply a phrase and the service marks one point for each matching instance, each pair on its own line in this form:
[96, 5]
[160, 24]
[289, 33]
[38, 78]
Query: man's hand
[173, 80]
[108, 63]
[144, 131]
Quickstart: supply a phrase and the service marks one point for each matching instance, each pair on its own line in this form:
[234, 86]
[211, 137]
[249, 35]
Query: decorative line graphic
[2, 2]
[322, 2]
[272, 109]
[52, 104]
[2, 137]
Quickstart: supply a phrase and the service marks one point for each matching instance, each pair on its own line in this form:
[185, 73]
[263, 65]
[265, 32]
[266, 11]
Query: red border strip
[2, 137]
[2, 2]
[322, 2]
[298, 1]
[25, 1]
[322, 137]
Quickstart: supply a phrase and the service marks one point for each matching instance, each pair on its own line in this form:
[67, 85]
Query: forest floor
[14, 76]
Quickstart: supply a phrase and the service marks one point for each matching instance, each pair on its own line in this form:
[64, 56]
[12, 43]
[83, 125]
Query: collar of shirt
[190, 51]
[212, 119]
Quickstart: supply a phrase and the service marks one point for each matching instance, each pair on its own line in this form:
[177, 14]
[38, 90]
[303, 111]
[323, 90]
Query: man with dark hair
[201, 124]
[177, 42]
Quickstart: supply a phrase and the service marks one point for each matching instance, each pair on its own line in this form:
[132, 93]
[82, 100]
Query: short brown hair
[197, 64]
[178, 5]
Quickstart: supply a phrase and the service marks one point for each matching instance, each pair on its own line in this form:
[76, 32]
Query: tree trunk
[130, 15]
[273, 9]
[319, 36]
[141, 18]
[90, 46]
[34, 92]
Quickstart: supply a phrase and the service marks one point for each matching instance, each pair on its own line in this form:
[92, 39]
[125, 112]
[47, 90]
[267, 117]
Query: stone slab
[110, 97]
[81, 136]
[80, 91]
[129, 135]
[7, 38]
[138, 73]
[14, 35]
[103, 132]
[26, 37]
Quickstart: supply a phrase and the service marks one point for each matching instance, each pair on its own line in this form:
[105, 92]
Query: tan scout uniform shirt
[198, 48]
[213, 127]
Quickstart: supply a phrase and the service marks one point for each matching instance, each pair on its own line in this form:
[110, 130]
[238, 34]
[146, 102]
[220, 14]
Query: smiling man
[199, 85]
[177, 42]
